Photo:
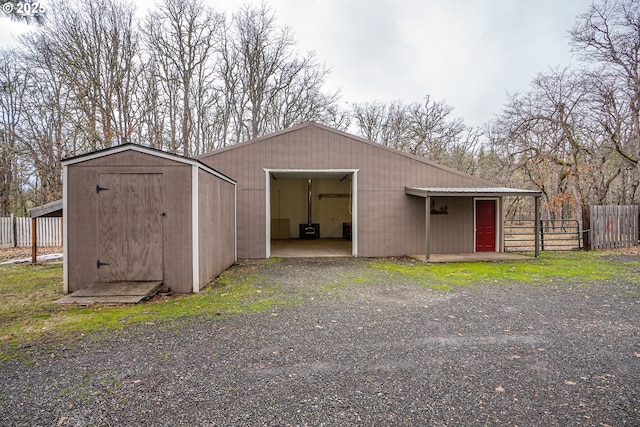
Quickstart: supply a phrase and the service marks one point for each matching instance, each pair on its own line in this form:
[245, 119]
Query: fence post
[578, 234]
[541, 235]
[14, 231]
[34, 240]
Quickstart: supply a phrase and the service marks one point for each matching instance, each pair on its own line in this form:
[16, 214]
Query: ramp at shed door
[129, 227]
[112, 293]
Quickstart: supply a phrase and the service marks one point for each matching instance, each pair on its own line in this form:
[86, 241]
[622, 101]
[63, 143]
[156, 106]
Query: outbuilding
[136, 214]
[312, 182]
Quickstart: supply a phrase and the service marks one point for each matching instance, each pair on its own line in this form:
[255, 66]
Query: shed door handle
[100, 263]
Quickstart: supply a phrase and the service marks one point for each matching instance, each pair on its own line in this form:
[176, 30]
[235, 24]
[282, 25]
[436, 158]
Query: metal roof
[469, 191]
[146, 150]
[50, 209]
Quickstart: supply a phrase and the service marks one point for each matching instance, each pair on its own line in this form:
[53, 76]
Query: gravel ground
[383, 353]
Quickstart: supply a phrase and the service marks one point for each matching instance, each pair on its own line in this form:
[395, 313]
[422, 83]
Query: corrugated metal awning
[469, 192]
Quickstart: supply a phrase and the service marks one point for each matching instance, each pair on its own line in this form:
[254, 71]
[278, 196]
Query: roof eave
[53, 209]
[146, 150]
[470, 192]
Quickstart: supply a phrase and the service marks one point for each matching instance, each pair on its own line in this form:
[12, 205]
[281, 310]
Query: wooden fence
[16, 232]
[614, 226]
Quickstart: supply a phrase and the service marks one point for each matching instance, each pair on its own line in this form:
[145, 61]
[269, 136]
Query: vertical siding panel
[324, 147]
[312, 142]
[372, 226]
[287, 149]
[315, 160]
[332, 148]
[380, 230]
[277, 160]
[282, 153]
[395, 203]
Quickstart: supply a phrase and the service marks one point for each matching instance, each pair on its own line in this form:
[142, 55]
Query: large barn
[311, 181]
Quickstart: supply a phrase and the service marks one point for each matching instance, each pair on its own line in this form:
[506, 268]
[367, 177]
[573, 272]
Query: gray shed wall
[454, 232]
[217, 225]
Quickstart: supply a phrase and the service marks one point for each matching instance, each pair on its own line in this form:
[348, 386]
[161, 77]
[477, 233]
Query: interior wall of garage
[289, 202]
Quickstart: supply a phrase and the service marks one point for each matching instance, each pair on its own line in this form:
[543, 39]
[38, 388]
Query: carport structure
[486, 206]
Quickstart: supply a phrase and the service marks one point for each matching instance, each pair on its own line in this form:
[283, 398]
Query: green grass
[27, 315]
[565, 267]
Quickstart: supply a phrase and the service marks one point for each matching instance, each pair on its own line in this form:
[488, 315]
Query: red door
[485, 225]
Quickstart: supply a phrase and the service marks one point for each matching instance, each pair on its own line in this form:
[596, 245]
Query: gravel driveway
[389, 352]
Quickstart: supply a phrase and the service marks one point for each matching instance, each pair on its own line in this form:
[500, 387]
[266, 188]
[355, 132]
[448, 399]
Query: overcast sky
[469, 53]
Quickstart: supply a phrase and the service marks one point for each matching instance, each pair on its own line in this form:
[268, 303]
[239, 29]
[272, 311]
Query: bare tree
[267, 85]
[184, 81]
[423, 129]
[96, 47]
[181, 41]
[608, 36]
[49, 132]
[554, 136]
[13, 87]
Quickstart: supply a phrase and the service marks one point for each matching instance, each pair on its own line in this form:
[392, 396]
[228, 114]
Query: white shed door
[129, 226]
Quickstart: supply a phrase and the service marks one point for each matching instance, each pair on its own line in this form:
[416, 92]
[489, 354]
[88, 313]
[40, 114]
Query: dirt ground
[7, 254]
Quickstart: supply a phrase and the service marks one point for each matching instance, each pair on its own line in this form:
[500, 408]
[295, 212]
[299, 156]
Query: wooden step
[126, 292]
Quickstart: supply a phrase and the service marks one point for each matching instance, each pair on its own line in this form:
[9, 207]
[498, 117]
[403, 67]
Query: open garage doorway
[311, 213]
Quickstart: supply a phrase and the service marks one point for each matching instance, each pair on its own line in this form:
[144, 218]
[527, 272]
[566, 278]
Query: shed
[315, 182]
[133, 213]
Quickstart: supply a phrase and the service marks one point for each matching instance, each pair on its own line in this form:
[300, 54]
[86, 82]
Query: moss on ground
[565, 267]
[28, 316]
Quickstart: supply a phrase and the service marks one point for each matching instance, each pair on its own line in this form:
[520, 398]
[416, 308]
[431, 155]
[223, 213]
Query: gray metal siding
[453, 233]
[389, 222]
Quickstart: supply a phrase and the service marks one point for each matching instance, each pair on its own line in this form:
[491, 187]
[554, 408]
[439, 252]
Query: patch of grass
[565, 267]
[27, 314]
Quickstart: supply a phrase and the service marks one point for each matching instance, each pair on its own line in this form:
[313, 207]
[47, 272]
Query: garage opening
[311, 213]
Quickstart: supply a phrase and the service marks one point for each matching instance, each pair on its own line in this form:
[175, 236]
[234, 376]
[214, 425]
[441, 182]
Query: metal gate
[555, 235]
